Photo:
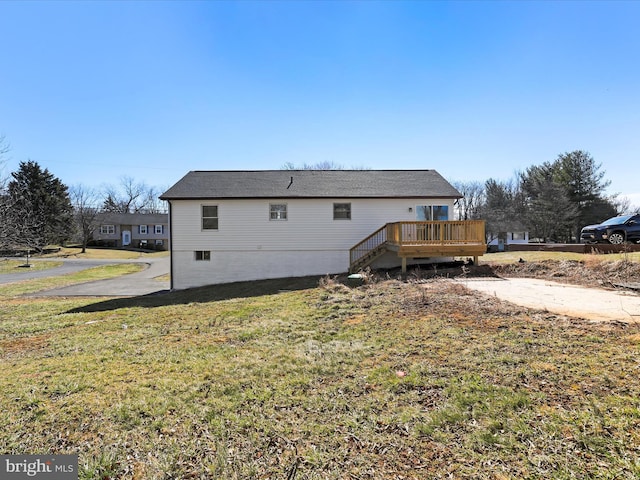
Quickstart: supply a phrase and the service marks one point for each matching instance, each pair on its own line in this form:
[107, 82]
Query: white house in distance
[229, 226]
[502, 240]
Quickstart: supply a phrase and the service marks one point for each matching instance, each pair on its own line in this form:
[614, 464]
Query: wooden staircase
[420, 240]
[368, 250]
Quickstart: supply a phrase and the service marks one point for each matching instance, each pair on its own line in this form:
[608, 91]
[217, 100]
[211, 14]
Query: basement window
[342, 211]
[202, 255]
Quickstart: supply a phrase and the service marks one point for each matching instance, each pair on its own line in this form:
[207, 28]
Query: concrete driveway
[594, 304]
[141, 283]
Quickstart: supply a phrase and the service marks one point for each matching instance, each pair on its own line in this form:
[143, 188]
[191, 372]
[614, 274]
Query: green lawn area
[104, 253]
[390, 380]
[18, 266]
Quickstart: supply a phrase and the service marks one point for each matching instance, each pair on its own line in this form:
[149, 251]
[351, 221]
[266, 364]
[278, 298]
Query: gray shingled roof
[311, 184]
[134, 218]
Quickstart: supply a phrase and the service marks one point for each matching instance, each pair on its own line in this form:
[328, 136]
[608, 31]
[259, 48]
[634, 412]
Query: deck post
[404, 264]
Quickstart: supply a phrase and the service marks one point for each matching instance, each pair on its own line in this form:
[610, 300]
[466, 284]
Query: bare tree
[468, 207]
[6, 216]
[326, 165]
[86, 209]
[5, 148]
[503, 207]
[131, 196]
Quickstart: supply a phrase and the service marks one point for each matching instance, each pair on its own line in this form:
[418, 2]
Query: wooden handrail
[421, 233]
[373, 241]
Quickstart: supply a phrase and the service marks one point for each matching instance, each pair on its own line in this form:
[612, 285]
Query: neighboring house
[134, 230]
[502, 240]
[232, 226]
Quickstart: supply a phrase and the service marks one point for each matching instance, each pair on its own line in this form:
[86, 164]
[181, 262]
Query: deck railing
[459, 232]
[374, 241]
[403, 234]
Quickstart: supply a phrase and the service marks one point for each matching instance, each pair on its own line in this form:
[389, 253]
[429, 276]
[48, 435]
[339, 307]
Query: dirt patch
[591, 272]
[588, 273]
[593, 289]
[23, 345]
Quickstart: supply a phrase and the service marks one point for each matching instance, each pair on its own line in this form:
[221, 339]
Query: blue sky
[95, 91]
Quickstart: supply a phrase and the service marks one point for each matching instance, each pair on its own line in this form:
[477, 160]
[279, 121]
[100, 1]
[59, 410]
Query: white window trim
[342, 218]
[144, 229]
[202, 217]
[286, 212]
[158, 229]
[107, 229]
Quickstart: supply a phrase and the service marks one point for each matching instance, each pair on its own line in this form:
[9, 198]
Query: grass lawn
[390, 380]
[103, 254]
[17, 266]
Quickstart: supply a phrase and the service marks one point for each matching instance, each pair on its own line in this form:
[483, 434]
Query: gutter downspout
[170, 248]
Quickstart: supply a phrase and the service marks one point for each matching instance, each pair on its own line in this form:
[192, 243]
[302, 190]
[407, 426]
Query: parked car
[616, 230]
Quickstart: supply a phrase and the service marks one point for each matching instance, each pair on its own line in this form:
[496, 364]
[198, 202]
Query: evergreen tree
[584, 183]
[41, 209]
[549, 213]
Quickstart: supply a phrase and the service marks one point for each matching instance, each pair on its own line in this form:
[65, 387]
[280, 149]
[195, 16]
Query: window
[277, 211]
[143, 230]
[440, 212]
[210, 217]
[107, 229]
[203, 255]
[159, 229]
[341, 211]
[432, 212]
[159, 242]
[518, 236]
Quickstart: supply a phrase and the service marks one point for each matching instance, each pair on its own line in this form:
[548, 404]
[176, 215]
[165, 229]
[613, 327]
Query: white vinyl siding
[247, 245]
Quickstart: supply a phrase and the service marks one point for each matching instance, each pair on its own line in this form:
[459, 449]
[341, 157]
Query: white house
[502, 240]
[229, 226]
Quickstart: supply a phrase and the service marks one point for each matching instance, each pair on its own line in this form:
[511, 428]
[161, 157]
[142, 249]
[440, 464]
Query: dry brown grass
[396, 379]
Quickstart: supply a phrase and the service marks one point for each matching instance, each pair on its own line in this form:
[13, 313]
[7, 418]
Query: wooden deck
[421, 240]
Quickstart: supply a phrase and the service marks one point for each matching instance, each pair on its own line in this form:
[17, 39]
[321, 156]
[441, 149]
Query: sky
[97, 91]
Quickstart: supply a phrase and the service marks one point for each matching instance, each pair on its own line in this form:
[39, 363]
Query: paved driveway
[589, 303]
[141, 283]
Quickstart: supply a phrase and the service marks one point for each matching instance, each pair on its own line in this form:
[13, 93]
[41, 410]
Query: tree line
[552, 201]
[37, 209]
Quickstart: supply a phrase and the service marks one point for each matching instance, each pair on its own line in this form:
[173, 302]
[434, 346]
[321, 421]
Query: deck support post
[404, 264]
